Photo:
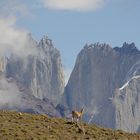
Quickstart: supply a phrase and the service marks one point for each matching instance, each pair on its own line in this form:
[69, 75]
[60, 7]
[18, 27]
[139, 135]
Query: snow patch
[127, 83]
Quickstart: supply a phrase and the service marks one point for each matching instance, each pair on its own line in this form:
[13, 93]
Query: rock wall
[41, 73]
[38, 76]
[98, 72]
[127, 102]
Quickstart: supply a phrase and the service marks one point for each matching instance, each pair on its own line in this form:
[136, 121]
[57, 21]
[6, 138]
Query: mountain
[105, 82]
[99, 73]
[38, 77]
[15, 125]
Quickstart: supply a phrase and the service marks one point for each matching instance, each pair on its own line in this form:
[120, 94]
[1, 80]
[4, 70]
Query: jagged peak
[94, 47]
[129, 48]
[98, 45]
[88, 46]
[46, 41]
[30, 40]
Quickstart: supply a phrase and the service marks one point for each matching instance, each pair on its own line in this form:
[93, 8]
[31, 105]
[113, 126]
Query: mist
[9, 92]
[15, 40]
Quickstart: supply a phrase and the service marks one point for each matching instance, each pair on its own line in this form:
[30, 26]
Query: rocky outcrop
[98, 72]
[41, 73]
[38, 75]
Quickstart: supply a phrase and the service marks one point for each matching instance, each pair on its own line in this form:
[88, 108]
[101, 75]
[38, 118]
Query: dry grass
[16, 126]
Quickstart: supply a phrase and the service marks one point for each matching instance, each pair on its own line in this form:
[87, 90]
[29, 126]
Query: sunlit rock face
[99, 71]
[39, 74]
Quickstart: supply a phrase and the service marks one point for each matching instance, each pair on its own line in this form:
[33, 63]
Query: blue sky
[72, 24]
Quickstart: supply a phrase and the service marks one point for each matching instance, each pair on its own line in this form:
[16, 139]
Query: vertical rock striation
[38, 75]
[98, 72]
[127, 102]
[41, 73]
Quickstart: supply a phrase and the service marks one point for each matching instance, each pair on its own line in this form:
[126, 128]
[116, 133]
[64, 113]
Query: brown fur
[77, 115]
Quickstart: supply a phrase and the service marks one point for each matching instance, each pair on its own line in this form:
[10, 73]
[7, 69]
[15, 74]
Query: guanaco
[77, 115]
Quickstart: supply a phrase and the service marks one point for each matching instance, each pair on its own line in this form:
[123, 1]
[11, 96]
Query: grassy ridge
[16, 126]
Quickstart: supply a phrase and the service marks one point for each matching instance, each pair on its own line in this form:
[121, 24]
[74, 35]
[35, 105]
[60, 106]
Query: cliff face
[98, 72]
[39, 75]
[127, 102]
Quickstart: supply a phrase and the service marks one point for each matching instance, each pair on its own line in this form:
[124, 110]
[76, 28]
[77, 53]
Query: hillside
[14, 125]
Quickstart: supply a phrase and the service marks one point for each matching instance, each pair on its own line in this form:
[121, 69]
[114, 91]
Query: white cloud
[76, 5]
[14, 39]
[13, 7]
[9, 92]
